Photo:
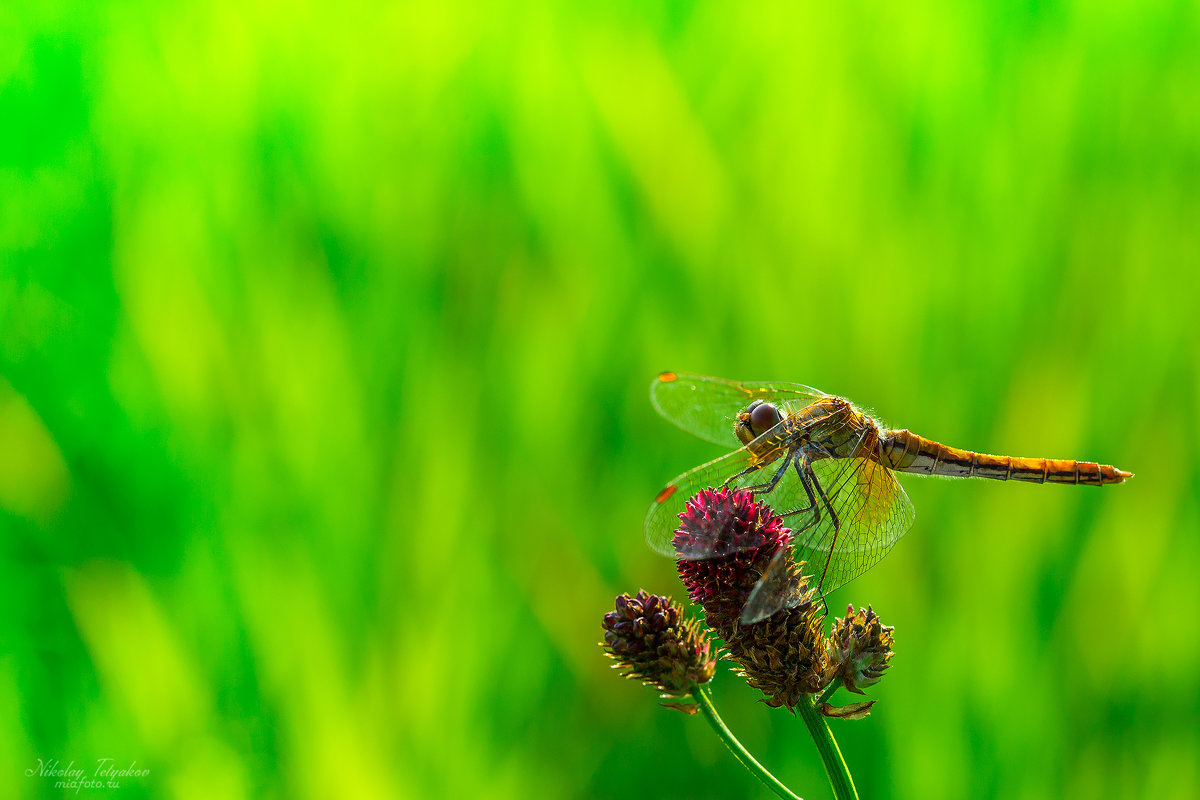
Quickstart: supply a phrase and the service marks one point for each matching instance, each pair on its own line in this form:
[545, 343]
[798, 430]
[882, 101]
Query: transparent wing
[873, 512]
[662, 520]
[781, 586]
[707, 407]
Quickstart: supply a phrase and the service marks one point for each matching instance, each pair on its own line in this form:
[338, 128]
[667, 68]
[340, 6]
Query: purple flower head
[726, 541]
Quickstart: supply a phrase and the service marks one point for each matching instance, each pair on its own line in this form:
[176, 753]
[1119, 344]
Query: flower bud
[650, 641]
[861, 647]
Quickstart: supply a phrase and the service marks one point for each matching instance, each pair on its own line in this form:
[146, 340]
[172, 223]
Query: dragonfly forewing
[707, 407]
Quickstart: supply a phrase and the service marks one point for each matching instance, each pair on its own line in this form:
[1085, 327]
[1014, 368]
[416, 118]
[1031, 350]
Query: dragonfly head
[755, 420]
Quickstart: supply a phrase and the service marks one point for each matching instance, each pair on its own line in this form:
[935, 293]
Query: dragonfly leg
[776, 591]
[771, 484]
[800, 461]
[746, 471]
[812, 487]
[836, 524]
[808, 481]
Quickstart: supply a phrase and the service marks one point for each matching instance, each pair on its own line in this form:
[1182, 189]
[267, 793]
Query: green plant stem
[828, 693]
[735, 747]
[831, 756]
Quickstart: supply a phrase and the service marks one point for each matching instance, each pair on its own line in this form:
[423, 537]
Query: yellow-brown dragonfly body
[836, 426]
[831, 471]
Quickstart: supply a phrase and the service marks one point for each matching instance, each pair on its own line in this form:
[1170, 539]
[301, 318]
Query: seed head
[651, 641]
[860, 647]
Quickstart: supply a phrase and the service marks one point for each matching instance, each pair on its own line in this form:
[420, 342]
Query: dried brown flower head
[861, 647]
[651, 641]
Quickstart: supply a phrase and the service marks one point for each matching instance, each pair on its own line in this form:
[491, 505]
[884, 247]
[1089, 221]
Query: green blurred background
[325, 339]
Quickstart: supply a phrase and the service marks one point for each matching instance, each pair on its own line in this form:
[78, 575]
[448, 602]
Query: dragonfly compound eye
[763, 417]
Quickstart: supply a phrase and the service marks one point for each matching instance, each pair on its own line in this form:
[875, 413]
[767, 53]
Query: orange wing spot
[665, 494]
[667, 377]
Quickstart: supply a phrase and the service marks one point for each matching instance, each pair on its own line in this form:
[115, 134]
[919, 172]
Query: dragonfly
[828, 470]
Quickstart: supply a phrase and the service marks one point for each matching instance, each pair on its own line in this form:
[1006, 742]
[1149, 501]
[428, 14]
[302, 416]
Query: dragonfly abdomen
[907, 452]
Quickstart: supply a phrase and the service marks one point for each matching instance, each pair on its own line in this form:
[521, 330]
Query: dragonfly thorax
[755, 420]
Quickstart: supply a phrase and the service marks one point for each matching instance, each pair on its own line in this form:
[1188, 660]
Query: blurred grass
[325, 339]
